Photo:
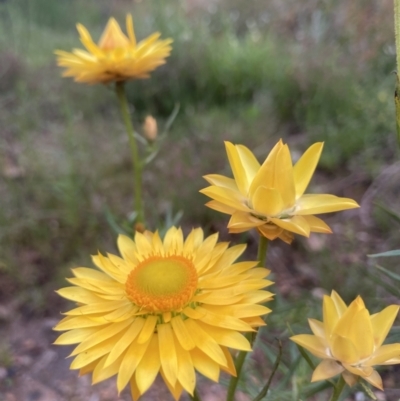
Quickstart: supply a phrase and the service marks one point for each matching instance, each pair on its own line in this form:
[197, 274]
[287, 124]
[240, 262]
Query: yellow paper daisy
[168, 306]
[116, 57]
[270, 197]
[349, 340]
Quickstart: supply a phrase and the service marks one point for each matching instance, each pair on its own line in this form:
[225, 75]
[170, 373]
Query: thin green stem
[261, 257]
[338, 389]
[137, 167]
[239, 361]
[195, 396]
[265, 389]
[262, 251]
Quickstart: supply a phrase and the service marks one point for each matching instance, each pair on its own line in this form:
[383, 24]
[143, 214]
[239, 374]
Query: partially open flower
[168, 306]
[116, 57]
[270, 197]
[349, 340]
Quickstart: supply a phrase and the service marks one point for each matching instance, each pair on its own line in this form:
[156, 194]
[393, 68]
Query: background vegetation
[249, 72]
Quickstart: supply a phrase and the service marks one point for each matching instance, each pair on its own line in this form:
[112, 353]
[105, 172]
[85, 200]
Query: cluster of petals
[116, 57]
[171, 306]
[270, 197]
[349, 340]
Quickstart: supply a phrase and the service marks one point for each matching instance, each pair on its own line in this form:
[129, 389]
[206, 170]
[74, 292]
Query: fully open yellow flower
[116, 57]
[270, 197]
[349, 340]
[169, 307]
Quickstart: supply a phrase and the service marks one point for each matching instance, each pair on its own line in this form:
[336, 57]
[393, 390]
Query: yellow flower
[349, 340]
[168, 307]
[116, 57]
[271, 197]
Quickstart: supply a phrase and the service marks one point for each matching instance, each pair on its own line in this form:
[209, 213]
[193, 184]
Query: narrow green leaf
[395, 252]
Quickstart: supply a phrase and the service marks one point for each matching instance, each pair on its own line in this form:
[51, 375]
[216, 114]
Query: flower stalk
[137, 166]
[239, 361]
[338, 389]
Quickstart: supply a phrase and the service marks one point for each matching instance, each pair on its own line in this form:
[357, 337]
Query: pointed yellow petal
[344, 326]
[344, 350]
[205, 342]
[204, 364]
[375, 379]
[317, 327]
[221, 181]
[270, 231]
[249, 162]
[340, 305]
[186, 373]
[113, 37]
[267, 201]
[130, 30]
[148, 329]
[384, 354]
[266, 174]
[361, 334]
[382, 322]
[182, 334]
[149, 366]
[244, 220]
[317, 225]
[305, 167]
[228, 197]
[238, 169]
[311, 343]
[349, 378]
[295, 224]
[326, 369]
[322, 203]
[168, 357]
[330, 316]
[220, 207]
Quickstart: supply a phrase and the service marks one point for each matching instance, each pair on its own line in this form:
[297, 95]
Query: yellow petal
[267, 201]
[375, 379]
[317, 327]
[244, 221]
[349, 378]
[168, 357]
[330, 316]
[266, 174]
[270, 231]
[295, 224]
[130, 361]
[238, 169]
[317, 225]
[186, 373]
[130, 30]
[304, 169]
[383, 354]
[382, 322]
[344, 350]
[112, 36]
[149, 366]
[322, 203]
[148, 329]
[361, 334]
[220, 207]
[340, 305]
[204, 364]
[125, 341]
[176, 390]
[249, 162]
[228, 197]
[205, 342]
[311, 343]
[344, 326]
[182, 334]
[326, 369]
[359, 370]
[228, 338]
[221, 181]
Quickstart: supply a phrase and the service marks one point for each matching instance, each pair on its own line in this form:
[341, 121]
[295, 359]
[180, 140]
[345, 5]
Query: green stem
[261, 257]
[265, 389]
[137, 168]
[195, 396]
[338, 389]
[262, 251]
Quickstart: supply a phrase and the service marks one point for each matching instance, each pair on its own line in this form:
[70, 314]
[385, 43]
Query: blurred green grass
[247, 72]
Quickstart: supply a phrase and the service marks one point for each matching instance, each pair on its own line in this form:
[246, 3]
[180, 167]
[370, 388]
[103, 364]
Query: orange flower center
[162, 283]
